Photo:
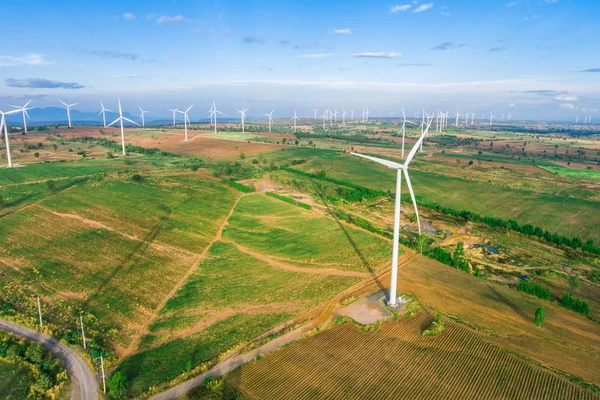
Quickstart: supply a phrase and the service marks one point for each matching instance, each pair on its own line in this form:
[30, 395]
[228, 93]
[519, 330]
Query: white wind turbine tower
[491, 118]
[25, 115]
[3, 124]
[295, 118]
[577, 120]
[214, 113]
[351, 115]
[367, 114]
[315, 111]
[344, 113]
[174, 111]
[457, 115]
[404, 122]
[211, 113]
[270, 115]
[186, 121]
[243, 117]
[142, 112]
[121, 119]
[324, 118]
[363, 115]
[330, 117]
[68, 110]
[466, 118]
[472, 117]
[103, 112]
[400, 169]
[335, 114]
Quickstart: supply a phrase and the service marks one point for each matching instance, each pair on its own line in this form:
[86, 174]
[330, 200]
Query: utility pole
[39, 310]
[103, 376]
[82, 331]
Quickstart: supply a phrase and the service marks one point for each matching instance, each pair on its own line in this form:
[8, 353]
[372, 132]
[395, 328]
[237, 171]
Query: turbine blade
[66, 105]
[387, 163]
[189, 108]
[114, 122]
[413, 151]
[412, 196]
[128, 120]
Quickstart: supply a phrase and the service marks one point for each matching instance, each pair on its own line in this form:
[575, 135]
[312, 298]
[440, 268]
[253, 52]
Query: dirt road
[83, 381]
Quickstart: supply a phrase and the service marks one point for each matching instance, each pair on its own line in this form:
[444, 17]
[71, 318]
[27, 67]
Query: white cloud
[551, 1]
[128, 16]
[566, 97]
[16, 61]
[166, 19]
[423, 7]
[532, 18]
[315, 55]
[345, 31]
[567, 106]
[381, 54]
[512, 3]
[125, 76]
[400, 8]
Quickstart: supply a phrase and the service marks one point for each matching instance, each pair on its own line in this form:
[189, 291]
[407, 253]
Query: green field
[572, 172]
[562, 214]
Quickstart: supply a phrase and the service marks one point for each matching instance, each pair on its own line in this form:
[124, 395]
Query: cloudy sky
[536, 59]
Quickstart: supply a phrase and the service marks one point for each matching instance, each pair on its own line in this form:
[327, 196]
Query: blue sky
[524, 57]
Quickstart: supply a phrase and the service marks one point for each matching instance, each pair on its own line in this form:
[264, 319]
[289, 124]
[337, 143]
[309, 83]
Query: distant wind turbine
[344, 113]
[351, 115]
[270, 115]
[295, 118]
[400, 169]
[25, 115]
[186, 121]
[142, 112]
[472, 117]
[3, 124]
[315, 111]
[103, 112]
[457, 115]
[121, 119]
[243, 116]
[404, 122]
[214, 113]
[491, 118]
[68, 110]
[174, 111]
[324, 118]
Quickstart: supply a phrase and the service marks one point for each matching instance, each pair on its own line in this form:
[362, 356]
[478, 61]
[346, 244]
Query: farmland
[401, 364]
[167, 261]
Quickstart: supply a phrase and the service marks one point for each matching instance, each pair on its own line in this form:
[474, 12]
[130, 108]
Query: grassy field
[270, 226]
[572, 172]
[121, 246]
[455, 364]
[563, 214]
[14, 381]
[567, 341]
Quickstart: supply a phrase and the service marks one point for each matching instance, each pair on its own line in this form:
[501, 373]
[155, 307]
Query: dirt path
[83, 381]
[324, 315]
[290, 268]
[134, 343]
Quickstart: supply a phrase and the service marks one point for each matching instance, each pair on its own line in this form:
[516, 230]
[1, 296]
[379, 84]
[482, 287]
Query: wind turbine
[186, 120]
[400, 169]
[103, 112]
[68, 110]
[344, 113]
[315, 111]
[214, 113]
[121, 119]
[577, 120]
[25, 115]
[295, 118]
[367, 114]
[174, 110]
[457, 115]
[270, 115]
[404, 128]
[243, 116]
[3, 124]
[472, 117]
[335, 114]
[351, 115]
[324, 118]
[142, 112]
[491, 118]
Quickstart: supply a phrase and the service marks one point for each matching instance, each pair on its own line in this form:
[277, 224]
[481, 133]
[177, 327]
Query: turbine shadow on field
[505, 300]
[350, 240]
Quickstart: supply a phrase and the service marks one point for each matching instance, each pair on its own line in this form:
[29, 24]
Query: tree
[458, 259]
[117, 386]
[422, 242]
[50, 184]
[540, 316]
[573, 282]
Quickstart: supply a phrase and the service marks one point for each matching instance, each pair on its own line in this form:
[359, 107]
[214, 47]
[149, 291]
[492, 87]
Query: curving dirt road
[83, 381]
